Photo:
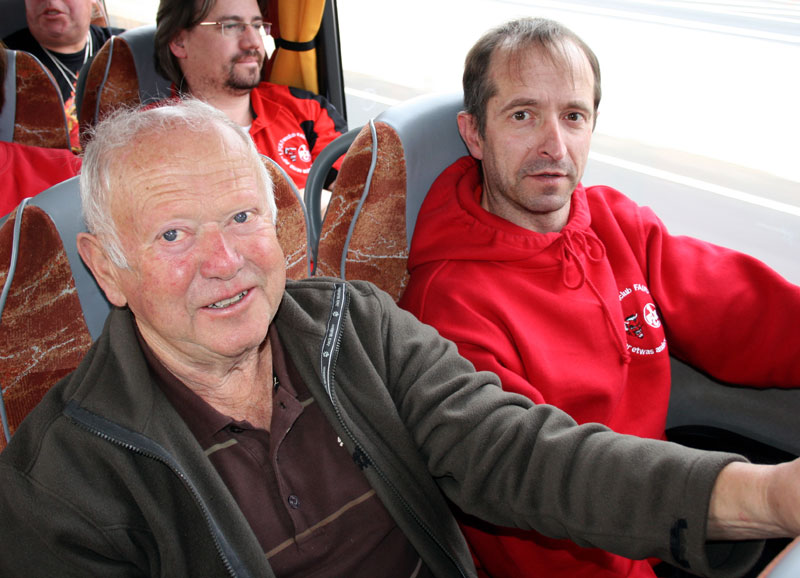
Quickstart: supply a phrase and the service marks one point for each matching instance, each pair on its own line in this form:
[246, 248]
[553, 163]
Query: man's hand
[754, 502]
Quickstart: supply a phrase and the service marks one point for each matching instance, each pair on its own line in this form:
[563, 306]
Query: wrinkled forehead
[183, 160]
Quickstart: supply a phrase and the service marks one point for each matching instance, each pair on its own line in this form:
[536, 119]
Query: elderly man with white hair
[231, 423]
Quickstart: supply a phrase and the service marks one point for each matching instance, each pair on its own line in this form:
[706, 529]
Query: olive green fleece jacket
[104, 478]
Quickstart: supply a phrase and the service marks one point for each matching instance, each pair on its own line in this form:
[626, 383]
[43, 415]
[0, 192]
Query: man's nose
[551, 142]
[251, 38]
[219, 257]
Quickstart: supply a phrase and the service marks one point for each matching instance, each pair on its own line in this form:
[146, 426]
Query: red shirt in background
[26, 171]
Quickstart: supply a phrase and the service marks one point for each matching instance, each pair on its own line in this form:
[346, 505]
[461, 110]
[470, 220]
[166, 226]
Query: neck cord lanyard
[69, 76]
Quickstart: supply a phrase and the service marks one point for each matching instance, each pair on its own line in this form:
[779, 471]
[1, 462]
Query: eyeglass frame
[260, 27]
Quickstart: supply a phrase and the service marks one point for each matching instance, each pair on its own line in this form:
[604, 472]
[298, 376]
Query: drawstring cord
[574, 243]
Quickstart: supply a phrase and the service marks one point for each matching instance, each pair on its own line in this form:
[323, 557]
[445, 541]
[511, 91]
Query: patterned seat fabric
[376, 248]
[123, 73]
[291, 227]
[39, 118]
[43, 335]
[111, 82]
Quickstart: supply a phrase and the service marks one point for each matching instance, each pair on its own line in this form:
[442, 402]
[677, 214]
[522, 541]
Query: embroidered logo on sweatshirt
[642, 321]
[633, 326]
[651, 316]
[294, 152]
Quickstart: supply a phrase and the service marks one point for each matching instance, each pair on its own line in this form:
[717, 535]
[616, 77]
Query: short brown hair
[516, 36]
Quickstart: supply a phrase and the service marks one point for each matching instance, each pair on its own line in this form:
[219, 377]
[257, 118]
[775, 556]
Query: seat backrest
[43, 332]
[152, 85]
[33, 113]
[382, 183]
[122, 73]
[292, 226]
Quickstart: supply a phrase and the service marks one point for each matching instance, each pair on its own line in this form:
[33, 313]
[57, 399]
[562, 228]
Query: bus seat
[122, 73]
[33, 113]
[110, 82]
[382, 182]
[44, 332]
[318, 176]
[292, 225]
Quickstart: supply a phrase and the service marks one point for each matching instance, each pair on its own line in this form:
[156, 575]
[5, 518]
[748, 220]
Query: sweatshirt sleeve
[724, 312]
[498, 456]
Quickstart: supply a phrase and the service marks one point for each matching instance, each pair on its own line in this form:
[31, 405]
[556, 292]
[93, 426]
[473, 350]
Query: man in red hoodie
[575, 296]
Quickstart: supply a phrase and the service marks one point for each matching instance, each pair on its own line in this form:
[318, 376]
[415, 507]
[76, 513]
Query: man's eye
[241, 217]
[575, 116]
[170, 235]
[521, 115]
[233, 27]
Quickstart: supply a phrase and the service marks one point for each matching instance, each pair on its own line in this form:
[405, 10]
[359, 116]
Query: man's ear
[176, 45]
[104, 271]
[468, 127]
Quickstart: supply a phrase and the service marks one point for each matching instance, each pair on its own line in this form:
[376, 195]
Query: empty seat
[33, 113]
[382, 182]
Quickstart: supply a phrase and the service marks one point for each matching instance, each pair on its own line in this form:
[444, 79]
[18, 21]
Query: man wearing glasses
[214, 50]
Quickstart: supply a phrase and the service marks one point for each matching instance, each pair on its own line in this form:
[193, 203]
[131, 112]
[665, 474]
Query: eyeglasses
[237, 28]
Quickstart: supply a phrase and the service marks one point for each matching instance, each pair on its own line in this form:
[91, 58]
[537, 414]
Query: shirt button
[294, 502]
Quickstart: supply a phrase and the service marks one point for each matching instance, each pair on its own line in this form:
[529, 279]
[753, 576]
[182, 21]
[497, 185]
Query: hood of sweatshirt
[453, 226]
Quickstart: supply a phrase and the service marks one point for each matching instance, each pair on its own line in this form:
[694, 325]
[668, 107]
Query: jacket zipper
[330, 352]
[134, 442]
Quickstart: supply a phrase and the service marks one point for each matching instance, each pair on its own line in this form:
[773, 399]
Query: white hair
[103, 161]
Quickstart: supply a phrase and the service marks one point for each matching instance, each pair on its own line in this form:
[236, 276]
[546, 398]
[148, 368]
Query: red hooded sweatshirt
[585, 319]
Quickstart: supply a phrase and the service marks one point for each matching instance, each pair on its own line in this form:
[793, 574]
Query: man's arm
[501, 458]
[697, 285]
[753, 502]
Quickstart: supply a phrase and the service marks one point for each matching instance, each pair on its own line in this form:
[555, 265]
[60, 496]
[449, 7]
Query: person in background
[574, 296]
[60, 34]
[228, 422]
[214, 50]
[26, 170]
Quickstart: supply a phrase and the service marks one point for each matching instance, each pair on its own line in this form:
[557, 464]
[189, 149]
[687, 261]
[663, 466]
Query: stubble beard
[243, 82]
[512, 188]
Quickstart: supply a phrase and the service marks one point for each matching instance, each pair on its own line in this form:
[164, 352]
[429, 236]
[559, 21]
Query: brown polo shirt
[308, 504]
